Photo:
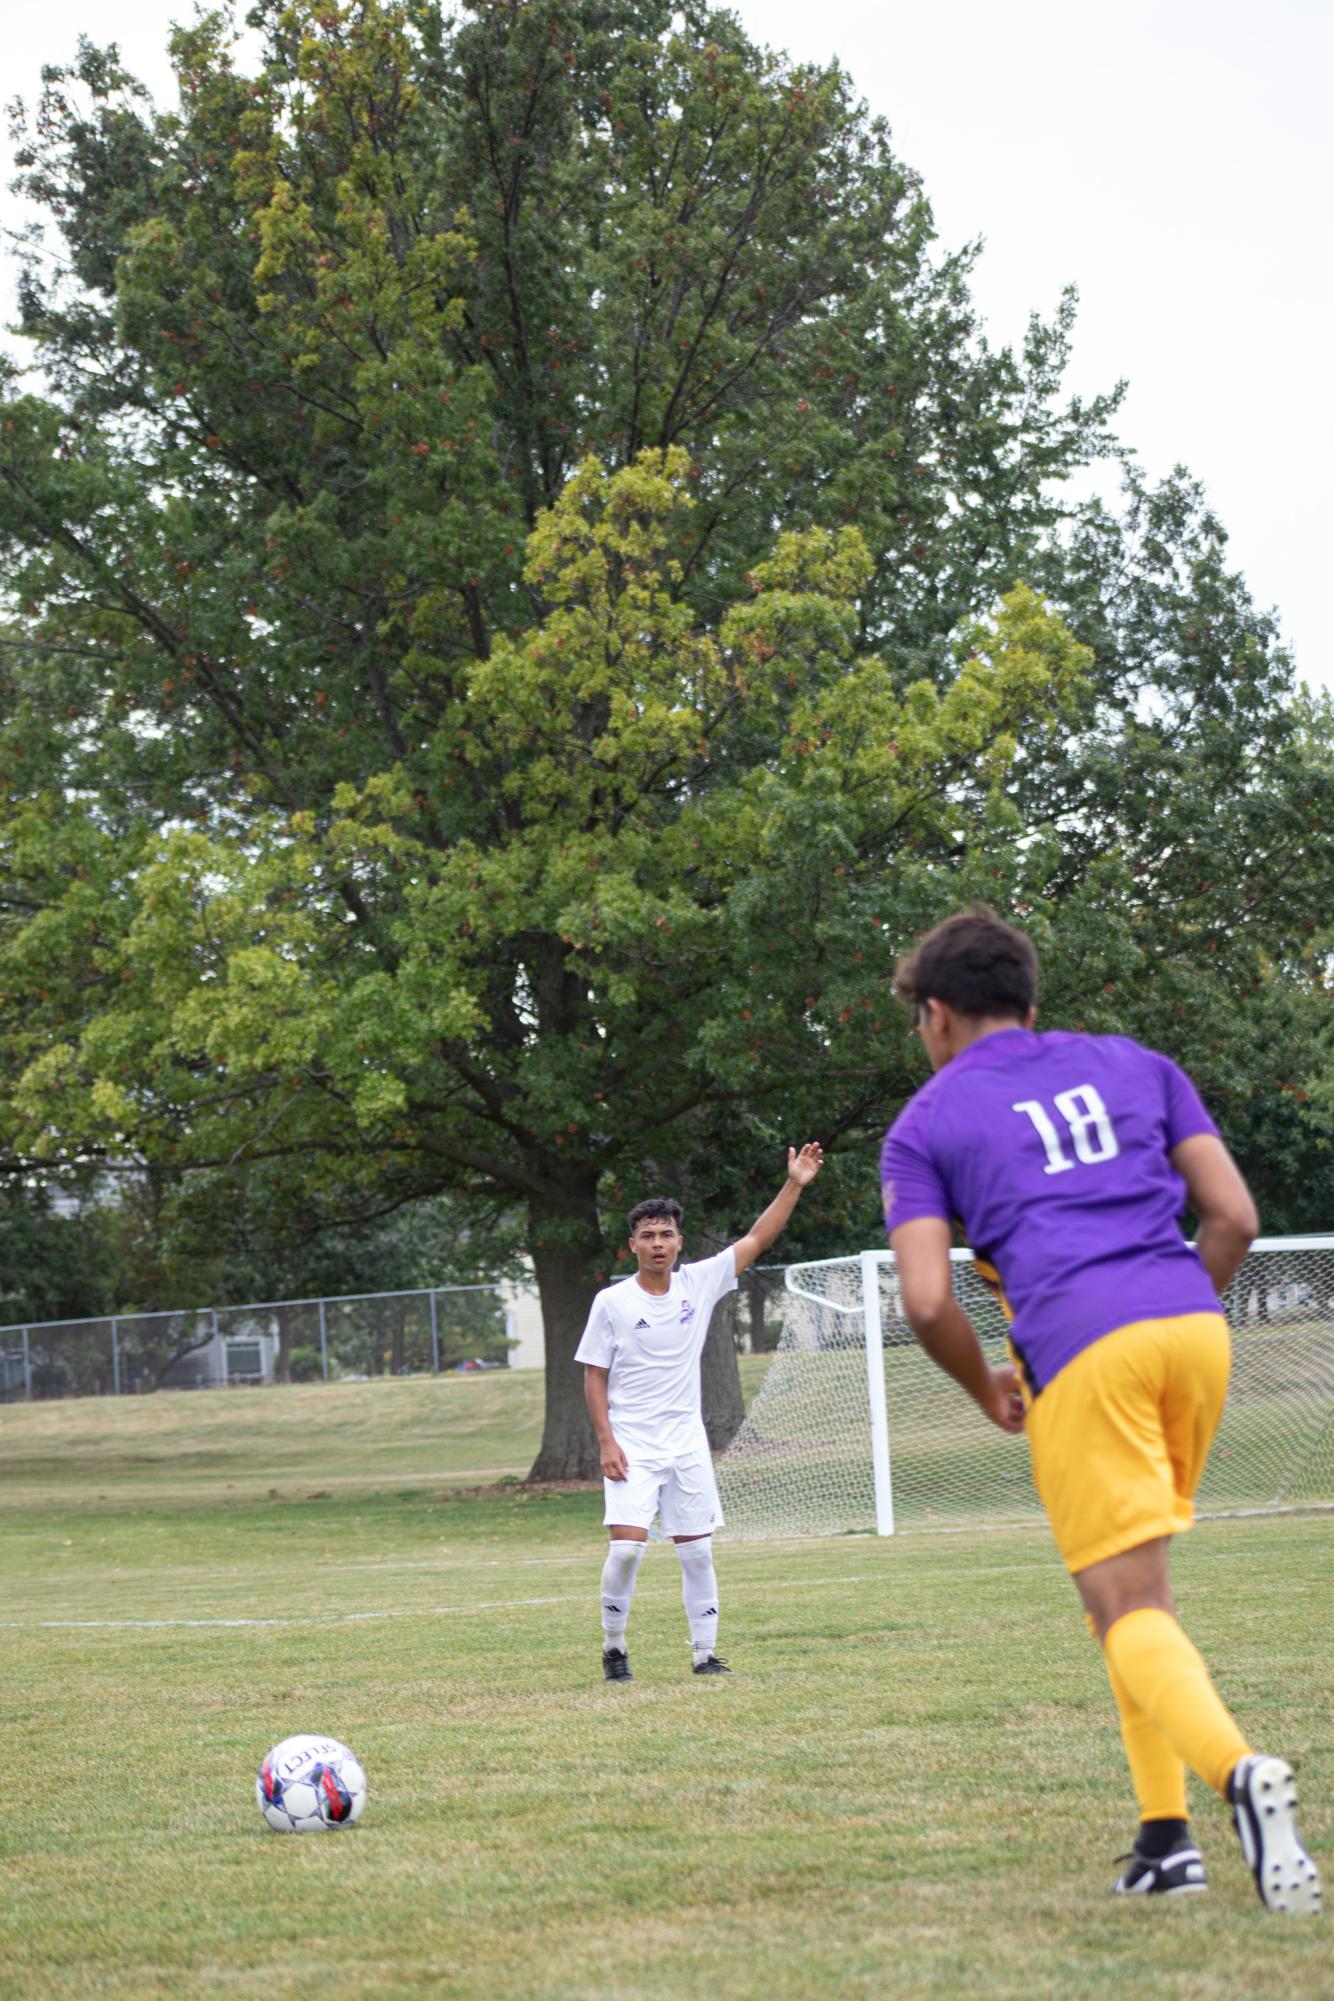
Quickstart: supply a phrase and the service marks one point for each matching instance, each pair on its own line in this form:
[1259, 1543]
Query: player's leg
[1143, 1638]
[1071, 1471]
[630, 1507]
[1116, 1491]
[1136, 1414]
[1154, 1661]
[699, 1595]
[1164, 1859]
[690, 1512]
[1149, 1654]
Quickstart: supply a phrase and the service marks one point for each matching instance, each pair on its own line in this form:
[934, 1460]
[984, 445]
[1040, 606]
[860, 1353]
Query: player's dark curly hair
[975, 963]
[654, 1207]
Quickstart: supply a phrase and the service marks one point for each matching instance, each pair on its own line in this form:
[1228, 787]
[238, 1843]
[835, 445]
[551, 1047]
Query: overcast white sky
[1172, 158]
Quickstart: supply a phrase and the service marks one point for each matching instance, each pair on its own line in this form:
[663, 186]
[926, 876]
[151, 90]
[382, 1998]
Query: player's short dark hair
[975, 963]
[654, 1208]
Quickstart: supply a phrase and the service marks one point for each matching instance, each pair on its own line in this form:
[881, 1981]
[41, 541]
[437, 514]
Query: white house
[523, 1323]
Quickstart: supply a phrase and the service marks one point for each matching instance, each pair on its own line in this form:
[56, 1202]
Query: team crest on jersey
[687, 1312]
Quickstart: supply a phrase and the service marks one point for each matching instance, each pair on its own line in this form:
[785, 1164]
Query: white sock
[618, 1588]
[699, 1594]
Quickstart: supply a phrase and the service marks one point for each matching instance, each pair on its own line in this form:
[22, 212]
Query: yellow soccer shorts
[1118, 1439]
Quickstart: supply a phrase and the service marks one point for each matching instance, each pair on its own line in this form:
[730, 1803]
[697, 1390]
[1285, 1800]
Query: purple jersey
[1052, 1151]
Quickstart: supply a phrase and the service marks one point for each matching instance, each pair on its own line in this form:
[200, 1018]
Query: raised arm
[922, 1253]
[802, 1169]
[1222, 1201]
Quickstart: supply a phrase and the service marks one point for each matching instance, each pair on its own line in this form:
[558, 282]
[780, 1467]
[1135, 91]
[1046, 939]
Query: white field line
[323, 1618]
[311, 1619]
[821, 1547]
[848, 1546]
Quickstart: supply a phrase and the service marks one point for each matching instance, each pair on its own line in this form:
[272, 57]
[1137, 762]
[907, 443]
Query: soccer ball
[307, 1783]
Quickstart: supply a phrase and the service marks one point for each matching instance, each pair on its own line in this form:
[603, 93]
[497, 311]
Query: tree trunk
[720, 1379]
[565, 1242]
[759, 1333]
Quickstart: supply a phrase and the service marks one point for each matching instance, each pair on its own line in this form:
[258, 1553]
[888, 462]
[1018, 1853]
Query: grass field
[911, 1786]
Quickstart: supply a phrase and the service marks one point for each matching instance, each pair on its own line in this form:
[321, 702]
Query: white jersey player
[641, 1353]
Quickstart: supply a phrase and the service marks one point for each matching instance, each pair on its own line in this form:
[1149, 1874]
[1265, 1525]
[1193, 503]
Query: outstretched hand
[804, 1166]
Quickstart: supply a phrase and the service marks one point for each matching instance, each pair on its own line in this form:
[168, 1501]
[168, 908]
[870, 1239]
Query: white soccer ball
[307, 1783]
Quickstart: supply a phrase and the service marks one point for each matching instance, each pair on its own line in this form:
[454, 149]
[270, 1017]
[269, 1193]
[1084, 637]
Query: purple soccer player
[1068, 1159]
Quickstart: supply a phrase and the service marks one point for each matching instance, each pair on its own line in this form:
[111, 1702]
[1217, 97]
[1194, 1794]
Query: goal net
[853, 1428]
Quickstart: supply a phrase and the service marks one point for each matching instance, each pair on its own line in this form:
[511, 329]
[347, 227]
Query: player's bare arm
[1229, 1221]
[595, 1396]
[802, 1168]
[922, 1253]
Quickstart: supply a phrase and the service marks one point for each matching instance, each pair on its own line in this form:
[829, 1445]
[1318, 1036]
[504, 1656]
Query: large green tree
[520, 608]
[56, 1263]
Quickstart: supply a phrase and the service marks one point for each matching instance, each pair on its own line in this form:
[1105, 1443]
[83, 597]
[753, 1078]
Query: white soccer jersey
[650, 1344]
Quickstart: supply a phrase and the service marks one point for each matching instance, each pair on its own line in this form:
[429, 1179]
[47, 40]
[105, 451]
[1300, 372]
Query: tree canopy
[528, 585]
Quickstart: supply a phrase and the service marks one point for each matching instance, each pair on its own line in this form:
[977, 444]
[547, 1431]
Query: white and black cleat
[711, 1665]
[1179, 1874]
[1264, 1807]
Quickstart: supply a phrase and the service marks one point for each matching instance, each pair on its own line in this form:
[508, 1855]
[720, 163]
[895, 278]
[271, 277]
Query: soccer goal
[853, 1428]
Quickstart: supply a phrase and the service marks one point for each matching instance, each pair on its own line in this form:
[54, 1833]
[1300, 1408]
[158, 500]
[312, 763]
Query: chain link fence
[349, 1339]
[287, 1340]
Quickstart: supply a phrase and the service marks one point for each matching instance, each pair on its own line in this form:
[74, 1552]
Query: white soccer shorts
[683, 1493]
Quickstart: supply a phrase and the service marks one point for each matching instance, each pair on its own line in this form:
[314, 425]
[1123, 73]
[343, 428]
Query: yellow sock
[1156, 1772]
[1166, 1680]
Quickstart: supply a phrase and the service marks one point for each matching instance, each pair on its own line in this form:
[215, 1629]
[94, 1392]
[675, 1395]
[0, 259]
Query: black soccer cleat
[1173, 1875]
[1264, 1808]
[712, 1665]
[616, 1664]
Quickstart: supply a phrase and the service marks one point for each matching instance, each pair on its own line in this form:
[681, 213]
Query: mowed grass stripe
[838, 1578]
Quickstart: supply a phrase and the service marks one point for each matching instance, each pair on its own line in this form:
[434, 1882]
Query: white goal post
[854, 1429]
